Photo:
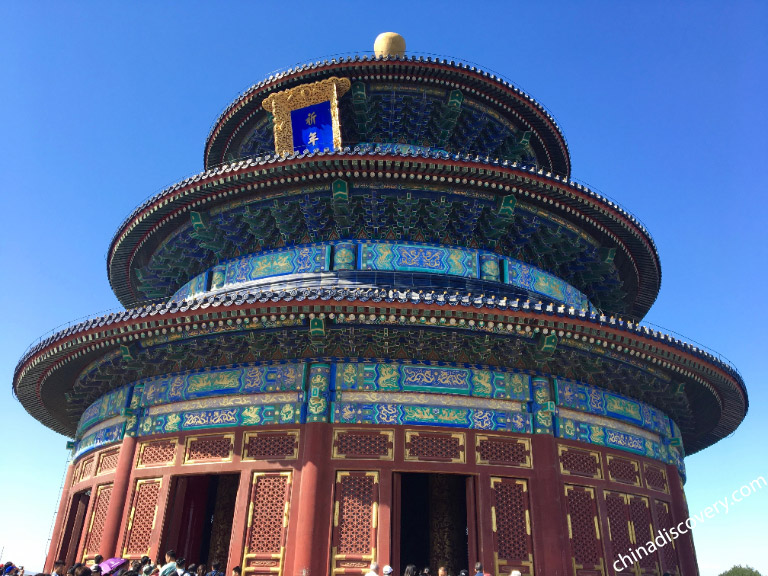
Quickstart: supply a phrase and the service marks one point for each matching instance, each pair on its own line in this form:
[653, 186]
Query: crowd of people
[173, 566]
[411, 570]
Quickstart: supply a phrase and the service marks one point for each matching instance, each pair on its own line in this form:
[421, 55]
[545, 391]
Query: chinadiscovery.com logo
[664, 537]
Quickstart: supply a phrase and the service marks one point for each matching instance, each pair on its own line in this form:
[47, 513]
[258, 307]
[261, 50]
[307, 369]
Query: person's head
[441, 571]
[237, 571]
[145, 560]
[425, 570]
[181, 562]
[58, 568]
[83, 571]
[375, 567]
[202, 569]
[410, 570]
[215, 566]
[478, 567]
[170, 556]
[98, 559]
[387, 570]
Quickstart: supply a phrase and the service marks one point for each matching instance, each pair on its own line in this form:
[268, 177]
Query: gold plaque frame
[281, 104]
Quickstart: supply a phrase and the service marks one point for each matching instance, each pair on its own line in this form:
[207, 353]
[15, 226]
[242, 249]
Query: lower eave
[64, 355]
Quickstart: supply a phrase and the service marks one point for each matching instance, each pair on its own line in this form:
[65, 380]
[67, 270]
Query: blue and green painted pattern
[108, 406]
[100, 438]
[523, 275]
[433, 379]
[296, 260]
[222, 417]
[432, 259]
[541, 406]
[387, 256]
[611, 437]
[592, 400]
[249, 379]
[318, 403]
[426, 415]
[197, 285]
[344, 256]
[392, 393]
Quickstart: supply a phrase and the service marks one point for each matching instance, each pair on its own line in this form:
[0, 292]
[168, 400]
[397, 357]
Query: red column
[310, 550]
[686, 555]
[550, 528]
[384, 544]
[56, 535]
[117, 499]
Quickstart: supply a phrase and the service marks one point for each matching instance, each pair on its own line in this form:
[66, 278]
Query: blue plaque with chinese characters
[312, 128]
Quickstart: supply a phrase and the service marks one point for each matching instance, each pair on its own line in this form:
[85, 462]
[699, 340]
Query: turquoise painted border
[435, 259]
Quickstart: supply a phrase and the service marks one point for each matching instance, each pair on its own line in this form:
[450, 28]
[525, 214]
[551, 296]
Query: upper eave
[64, 355]
[480, 84]
[251, 179]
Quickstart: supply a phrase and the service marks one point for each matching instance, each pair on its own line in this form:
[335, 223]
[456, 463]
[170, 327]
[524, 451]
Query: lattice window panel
[209, 449]
[580, 462]
[157, 452]
[142, 519]
[377, 445]
[623, 470]
[98, 518]
[83, 470]
[76, 472]
[271, 445]
[108, 461]
[513, 546]
[641, 524]
[668, 553]
[87, 468]
[503, 451]
[656, 478]
[434, 446]
[619, 529]
[267, 523]
[586, 545]
[355, 518]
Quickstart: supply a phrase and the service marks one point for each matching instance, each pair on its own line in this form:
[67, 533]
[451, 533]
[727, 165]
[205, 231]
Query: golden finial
[389, 44]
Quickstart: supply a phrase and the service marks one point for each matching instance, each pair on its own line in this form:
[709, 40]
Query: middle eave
[252, 180]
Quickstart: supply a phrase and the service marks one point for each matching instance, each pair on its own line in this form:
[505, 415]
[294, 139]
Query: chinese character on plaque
[306, 118]
[312, 128]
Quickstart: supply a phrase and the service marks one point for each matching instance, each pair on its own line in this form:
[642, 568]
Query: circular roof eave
[504, 94]
[65, 354]
[570, 200]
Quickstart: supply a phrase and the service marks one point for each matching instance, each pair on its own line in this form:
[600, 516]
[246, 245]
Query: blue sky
[662, 103]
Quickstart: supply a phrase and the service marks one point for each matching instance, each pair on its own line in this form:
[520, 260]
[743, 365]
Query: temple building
[383, 324]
